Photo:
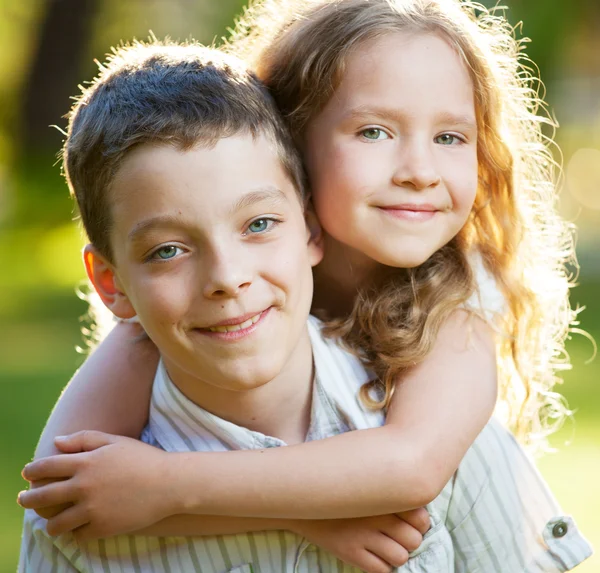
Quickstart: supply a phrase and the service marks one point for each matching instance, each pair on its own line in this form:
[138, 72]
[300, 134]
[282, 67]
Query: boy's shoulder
[340, 374]
[502, 514]
[331, 355]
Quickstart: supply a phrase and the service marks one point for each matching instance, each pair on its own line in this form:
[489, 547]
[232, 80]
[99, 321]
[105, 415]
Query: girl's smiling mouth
[412, 211]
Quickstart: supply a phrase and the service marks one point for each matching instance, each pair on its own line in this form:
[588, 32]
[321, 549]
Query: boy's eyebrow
[268, 193]
[466, 120]
[158, 221]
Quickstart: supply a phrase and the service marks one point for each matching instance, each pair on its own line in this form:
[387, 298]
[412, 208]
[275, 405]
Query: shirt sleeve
[487, 301]
[40, 552]
[502, 516]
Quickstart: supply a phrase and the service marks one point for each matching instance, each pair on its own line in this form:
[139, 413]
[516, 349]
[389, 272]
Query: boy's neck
[280, 408]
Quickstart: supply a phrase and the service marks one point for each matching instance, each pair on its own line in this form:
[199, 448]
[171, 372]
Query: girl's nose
[416, 168]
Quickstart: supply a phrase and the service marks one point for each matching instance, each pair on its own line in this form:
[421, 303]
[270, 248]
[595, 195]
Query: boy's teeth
[234, 327]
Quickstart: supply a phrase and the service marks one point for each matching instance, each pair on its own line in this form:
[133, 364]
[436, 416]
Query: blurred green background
[47, 47]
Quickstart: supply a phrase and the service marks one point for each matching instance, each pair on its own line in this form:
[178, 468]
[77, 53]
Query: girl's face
[392, 158]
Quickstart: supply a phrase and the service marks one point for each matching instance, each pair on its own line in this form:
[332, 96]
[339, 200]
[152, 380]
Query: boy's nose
[416, 168]
[227, 278]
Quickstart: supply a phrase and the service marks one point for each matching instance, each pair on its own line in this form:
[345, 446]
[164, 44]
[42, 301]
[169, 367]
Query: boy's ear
[102, 275]
[316, 246]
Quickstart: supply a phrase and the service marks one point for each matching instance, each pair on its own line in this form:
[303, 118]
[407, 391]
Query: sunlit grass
[572, 476]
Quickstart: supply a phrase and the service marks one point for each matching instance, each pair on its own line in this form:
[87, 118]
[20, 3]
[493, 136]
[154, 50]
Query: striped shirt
[495, 515]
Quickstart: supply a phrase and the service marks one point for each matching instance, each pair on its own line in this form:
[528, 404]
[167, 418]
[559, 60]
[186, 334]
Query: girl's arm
[110, 392]
[372, 544]
[435, 415]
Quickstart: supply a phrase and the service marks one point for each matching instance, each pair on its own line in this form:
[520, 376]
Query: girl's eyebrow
[463, 119]
[382, 112]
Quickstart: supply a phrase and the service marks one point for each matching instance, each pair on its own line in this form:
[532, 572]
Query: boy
[190, 192]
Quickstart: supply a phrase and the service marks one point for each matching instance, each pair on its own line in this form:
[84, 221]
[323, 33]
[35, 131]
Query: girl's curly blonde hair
[299, 49]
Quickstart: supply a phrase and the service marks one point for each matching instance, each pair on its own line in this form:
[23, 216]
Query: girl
[472, 186]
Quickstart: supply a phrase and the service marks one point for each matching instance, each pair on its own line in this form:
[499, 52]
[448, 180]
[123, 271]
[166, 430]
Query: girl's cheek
[348, 163]
[471, 184]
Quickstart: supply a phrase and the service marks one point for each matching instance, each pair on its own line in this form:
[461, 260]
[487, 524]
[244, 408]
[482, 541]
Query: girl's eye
[448, 139]
[374, 134]
[261, 225]
[166, 252]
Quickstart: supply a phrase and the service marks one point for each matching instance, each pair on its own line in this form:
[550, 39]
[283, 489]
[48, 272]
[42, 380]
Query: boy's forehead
[226, 176]
[236, 154]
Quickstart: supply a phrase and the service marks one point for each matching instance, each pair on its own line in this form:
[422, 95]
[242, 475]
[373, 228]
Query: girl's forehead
[394, 48]
[405, 69]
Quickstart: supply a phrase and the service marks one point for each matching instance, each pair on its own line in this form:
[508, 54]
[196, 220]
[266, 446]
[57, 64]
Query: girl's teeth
[234, 327]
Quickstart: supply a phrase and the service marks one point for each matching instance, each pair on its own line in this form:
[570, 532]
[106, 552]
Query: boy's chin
[248, 378]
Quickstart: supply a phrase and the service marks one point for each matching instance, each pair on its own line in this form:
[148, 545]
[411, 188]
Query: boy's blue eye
[260, 225]
[374, 134]
[447, 139]
[166, 252]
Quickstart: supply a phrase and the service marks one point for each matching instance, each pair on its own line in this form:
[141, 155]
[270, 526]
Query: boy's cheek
[289, 262]
[158, 304]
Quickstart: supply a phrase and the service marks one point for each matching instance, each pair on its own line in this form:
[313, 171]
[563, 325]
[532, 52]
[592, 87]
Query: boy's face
[212, 252]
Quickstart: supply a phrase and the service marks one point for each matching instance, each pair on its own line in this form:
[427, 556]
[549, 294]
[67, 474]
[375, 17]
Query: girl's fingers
[53, 494]
[48, 512]
[66, 521]
[418, 518]
[53, 467]
[404, 534]
[84, 534]
[371, 563]
[83, 441]
[388, 550]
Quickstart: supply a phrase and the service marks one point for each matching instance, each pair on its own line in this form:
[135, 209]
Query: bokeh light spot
[583, 177]
[59, 256]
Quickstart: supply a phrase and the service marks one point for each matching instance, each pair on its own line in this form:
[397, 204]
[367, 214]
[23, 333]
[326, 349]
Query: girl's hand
[374, 544]
[50, 511]
[115, 485]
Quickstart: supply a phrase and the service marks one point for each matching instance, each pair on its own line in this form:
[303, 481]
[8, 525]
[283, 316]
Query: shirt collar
[178, 424]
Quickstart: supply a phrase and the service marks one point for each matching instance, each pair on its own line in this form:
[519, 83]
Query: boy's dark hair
[165, 93]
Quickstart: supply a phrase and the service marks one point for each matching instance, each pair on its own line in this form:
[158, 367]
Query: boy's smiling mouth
[235, 328]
